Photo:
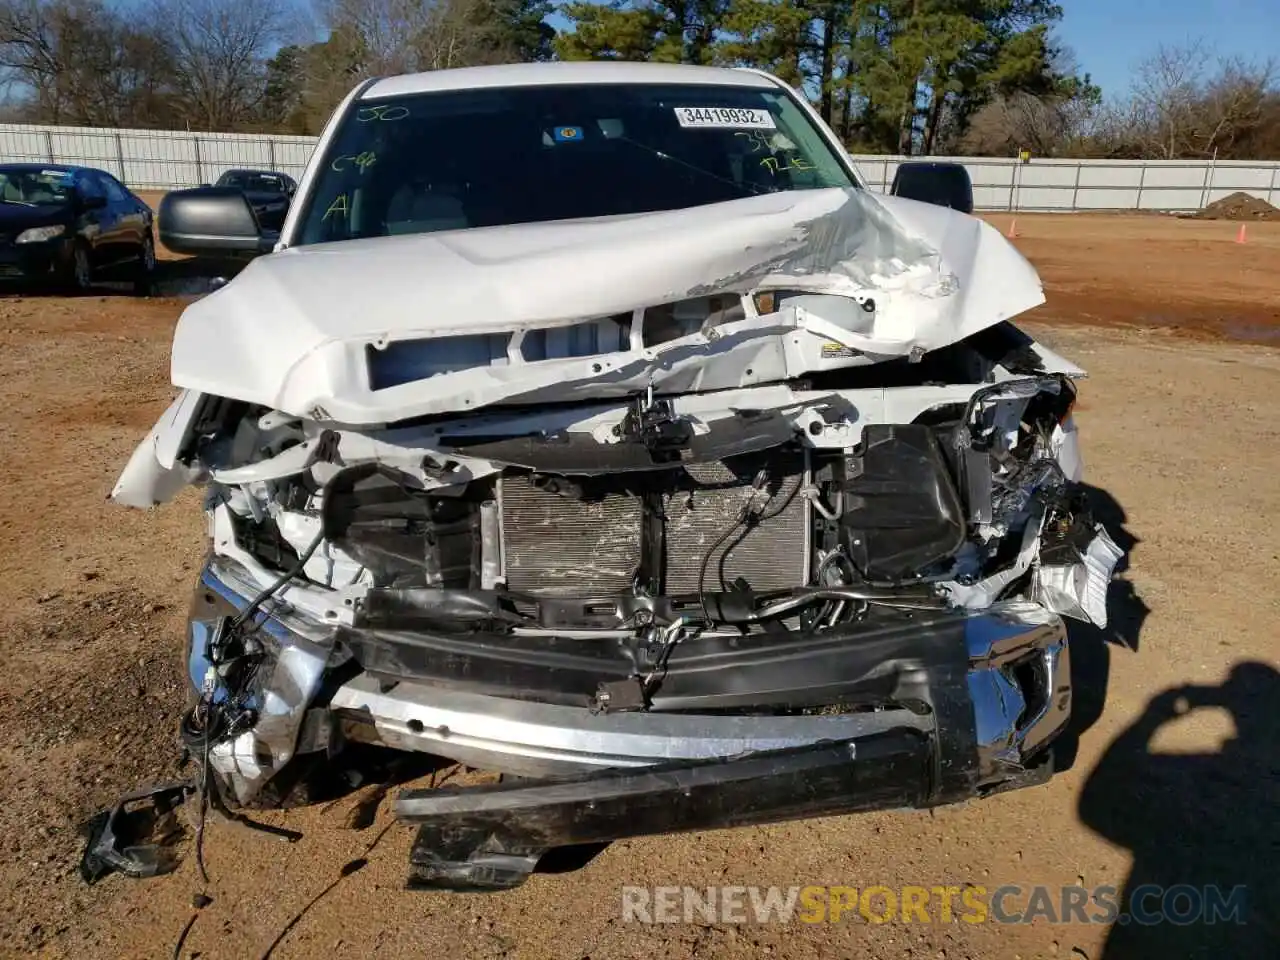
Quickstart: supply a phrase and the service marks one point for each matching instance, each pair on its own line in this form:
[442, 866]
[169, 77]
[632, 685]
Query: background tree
[668, 31]
[219, 50]
[80, 62]
[1182, 105]
[909, 76]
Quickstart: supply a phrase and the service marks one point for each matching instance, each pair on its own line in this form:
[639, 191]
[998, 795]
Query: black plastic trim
[491, 837]
[889, 658]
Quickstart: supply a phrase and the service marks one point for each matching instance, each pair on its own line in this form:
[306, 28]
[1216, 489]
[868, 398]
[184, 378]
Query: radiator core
[563, 546]
[556, 546]
[772, 555]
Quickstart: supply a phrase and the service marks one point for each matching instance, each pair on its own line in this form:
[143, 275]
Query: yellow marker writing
[386, 111]
[339, 206]
[361, 160]
[757, 140]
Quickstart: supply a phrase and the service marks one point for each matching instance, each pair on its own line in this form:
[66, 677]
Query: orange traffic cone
[1013, 229]
[1241, 237]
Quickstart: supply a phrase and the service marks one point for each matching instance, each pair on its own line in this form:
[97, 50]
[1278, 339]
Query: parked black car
[267, 191]
[71, 225]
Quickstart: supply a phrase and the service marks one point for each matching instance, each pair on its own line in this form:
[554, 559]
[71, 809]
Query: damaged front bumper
[923, 707]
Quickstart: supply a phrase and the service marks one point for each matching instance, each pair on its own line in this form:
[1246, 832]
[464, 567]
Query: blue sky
[1110, 36]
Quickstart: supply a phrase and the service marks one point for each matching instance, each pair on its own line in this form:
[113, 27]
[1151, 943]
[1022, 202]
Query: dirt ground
[1179, 419]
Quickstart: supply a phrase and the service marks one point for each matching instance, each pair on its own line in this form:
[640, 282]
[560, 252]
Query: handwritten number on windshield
[387, 111]
[361, 161]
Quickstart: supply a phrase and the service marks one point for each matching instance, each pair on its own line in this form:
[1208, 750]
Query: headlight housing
[40, 234]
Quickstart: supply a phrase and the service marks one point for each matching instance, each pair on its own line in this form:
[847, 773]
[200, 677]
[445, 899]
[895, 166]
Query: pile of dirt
[1239, 206]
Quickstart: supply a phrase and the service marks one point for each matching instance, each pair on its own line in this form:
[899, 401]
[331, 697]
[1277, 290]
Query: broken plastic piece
[135, 840]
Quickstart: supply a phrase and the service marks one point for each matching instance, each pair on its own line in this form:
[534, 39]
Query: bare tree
[80, 62]
[384, 29]
[456, 35]
[219, 48]
[1178, 108]
[1048, 126]
[1234, 103]
[402, 36]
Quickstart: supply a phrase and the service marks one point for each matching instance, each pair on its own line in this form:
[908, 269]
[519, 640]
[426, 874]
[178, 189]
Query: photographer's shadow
[1200, 820]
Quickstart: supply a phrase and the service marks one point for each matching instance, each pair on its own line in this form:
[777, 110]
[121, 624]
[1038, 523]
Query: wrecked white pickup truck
[593, 424]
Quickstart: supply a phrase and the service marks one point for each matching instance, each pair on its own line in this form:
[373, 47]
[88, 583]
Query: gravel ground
[1183, 450]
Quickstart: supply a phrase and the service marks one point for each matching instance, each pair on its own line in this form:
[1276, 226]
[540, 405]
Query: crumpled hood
[294, 330]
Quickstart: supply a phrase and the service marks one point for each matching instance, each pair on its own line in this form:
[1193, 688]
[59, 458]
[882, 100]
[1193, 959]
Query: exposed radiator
[770, 556]
[560, 546]
[556, 546]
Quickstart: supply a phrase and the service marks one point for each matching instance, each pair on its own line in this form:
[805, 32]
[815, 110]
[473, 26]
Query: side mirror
[211, 221]
[92, 202]
[942, 184]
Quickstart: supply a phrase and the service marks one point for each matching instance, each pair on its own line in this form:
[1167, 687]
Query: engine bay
[658, 513]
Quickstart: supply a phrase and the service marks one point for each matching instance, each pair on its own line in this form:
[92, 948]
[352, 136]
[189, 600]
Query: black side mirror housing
[212, 221]
[942, 184]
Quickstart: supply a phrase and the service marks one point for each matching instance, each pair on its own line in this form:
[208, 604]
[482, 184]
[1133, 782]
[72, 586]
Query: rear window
[254, 182]
[476, 158]
[944, 185]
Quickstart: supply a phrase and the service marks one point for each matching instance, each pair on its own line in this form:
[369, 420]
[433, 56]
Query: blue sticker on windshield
[568, 134]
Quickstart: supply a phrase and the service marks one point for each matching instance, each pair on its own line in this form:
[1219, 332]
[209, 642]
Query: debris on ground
[135, 837]
[1238, 206]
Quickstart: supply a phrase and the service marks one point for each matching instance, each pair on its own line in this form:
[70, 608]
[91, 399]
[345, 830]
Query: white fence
[165, 160]
[154, 159]
[1174, 185]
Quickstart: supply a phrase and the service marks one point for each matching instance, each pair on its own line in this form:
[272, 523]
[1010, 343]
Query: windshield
[478, 158]
[36, 188]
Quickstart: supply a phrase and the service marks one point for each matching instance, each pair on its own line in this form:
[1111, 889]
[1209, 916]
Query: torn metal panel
[983, 593]
[152, 475]
[298, 651]
[1065, 447]
[1079, 590]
